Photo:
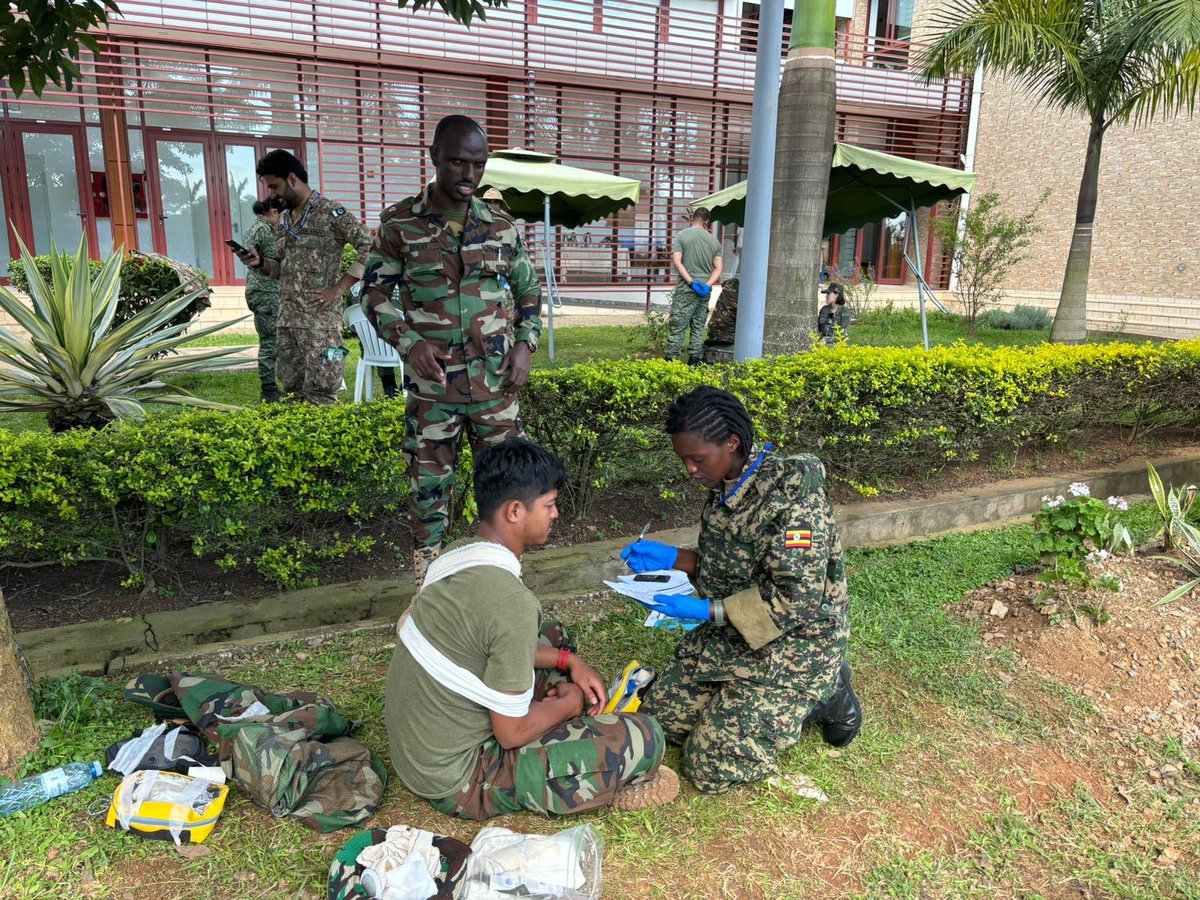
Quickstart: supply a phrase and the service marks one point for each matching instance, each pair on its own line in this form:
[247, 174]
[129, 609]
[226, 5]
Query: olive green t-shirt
[484, 620]
[699, 249]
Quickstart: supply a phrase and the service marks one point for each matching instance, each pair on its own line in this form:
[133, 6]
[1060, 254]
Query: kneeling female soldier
[771, 654]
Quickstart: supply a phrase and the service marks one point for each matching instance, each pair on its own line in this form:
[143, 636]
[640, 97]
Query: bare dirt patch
[1138, 668]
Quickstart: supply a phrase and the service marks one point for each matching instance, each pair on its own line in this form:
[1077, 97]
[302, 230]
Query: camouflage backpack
[288, 752]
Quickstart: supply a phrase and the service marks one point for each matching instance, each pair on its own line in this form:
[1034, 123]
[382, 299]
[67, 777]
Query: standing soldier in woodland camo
[465, 319]
[262, 294]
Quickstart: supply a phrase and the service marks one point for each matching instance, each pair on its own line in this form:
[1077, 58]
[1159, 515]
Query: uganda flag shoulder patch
[797, 539]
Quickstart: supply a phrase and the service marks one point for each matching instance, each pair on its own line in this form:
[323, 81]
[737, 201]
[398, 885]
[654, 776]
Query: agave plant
[1174, 507]
[80, 370]
[1188, 560]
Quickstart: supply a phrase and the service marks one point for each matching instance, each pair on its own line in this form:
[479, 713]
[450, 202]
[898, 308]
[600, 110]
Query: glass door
[890, 24]
[242, 189]
[54, 186]
[183, 229]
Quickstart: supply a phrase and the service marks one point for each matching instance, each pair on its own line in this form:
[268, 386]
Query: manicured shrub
[265, 486]
[239, 487]
[870, 413]
[144, 278]
[1020, 318]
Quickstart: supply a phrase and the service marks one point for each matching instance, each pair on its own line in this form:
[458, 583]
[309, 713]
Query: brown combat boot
[422, 557]
[658, 790]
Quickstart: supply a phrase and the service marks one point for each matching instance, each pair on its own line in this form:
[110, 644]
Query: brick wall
[1144, 240]
[1147, 212]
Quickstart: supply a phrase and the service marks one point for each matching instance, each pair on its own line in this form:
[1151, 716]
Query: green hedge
[871, 413]
[261, 485]
[144, 279]
[246, 487]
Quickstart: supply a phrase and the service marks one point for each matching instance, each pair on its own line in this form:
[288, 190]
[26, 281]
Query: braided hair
[712, 415]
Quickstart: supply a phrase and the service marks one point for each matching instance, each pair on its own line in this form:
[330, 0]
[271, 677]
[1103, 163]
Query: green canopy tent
[535, 187]
[866, 186]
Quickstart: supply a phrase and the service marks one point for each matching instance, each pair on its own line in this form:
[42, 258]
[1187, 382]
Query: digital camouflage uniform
[308, 245]
[576, 767]
[686, 316]
[833, 321]
[736, 695]
[474, 296]
[262, 297]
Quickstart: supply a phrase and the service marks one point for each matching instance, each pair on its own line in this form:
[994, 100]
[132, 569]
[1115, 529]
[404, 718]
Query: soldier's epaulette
[399, 208]
[503, 215]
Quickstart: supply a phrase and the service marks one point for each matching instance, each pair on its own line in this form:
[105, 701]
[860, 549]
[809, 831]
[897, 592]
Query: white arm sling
[440, 667]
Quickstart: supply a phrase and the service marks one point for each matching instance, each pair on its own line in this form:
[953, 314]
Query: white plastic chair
[377, 353]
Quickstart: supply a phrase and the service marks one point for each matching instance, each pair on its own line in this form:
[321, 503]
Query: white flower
[1079, 489]
[1118, 503]
[1055, 501]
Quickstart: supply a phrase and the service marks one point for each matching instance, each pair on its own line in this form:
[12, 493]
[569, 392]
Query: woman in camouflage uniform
[771, 653]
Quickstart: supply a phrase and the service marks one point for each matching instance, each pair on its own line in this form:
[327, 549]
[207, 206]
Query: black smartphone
[656, 579]
[234, 245]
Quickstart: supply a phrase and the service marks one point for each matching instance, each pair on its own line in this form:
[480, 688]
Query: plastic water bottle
[37, 789]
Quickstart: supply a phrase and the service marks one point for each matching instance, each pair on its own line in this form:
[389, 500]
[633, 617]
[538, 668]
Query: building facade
[155, 147]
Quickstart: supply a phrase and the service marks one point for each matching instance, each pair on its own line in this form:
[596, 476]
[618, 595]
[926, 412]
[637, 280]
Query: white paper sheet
[644, 591]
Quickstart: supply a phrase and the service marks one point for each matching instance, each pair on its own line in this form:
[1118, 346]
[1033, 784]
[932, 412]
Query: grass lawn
[971, 778]
[579, 344]
[571, 345]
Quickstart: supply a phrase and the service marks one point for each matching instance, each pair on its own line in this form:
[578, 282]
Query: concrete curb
[113, 645]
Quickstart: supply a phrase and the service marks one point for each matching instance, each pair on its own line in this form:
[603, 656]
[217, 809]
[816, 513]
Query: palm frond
[1025, 38]
[1172, 22]
[1165, 81]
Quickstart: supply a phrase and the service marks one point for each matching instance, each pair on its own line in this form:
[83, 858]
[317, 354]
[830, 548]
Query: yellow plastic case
[627, 689]
[165, 806]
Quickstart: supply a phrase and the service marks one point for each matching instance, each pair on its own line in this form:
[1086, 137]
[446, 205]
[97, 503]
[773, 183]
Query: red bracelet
[564, 655]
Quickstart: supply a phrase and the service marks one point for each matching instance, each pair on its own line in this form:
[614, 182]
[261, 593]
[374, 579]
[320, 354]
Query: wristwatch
[564, 658]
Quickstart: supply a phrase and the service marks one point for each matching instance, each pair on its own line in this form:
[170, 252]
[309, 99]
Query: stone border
[113, 645]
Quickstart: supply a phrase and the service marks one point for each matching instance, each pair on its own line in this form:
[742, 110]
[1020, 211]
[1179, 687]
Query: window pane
[52, 181]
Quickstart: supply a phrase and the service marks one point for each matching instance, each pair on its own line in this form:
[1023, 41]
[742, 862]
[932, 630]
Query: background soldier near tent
[262, 294]
[696, 257]
[466, 321]
[308, 247]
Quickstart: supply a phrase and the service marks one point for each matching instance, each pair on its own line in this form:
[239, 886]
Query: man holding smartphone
[309, 240]
[262, 294]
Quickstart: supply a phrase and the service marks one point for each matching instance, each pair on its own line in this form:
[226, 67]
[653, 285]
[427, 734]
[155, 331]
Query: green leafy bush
[1076, 534]
[233, 486]
[1020, 318]
[868, 412]
[144, 279]
[245, 487]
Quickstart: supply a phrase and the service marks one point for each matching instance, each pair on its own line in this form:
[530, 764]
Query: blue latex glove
[702, 288]
[646, 556]
[681, 606]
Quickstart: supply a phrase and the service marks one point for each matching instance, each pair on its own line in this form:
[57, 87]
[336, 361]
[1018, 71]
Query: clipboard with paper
[644, 591]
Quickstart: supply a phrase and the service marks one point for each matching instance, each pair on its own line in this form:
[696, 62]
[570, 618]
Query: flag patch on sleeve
[797, 539]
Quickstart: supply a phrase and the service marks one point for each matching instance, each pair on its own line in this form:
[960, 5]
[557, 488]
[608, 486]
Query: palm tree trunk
[803, 156]
[1070, 320]
[18, 730]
